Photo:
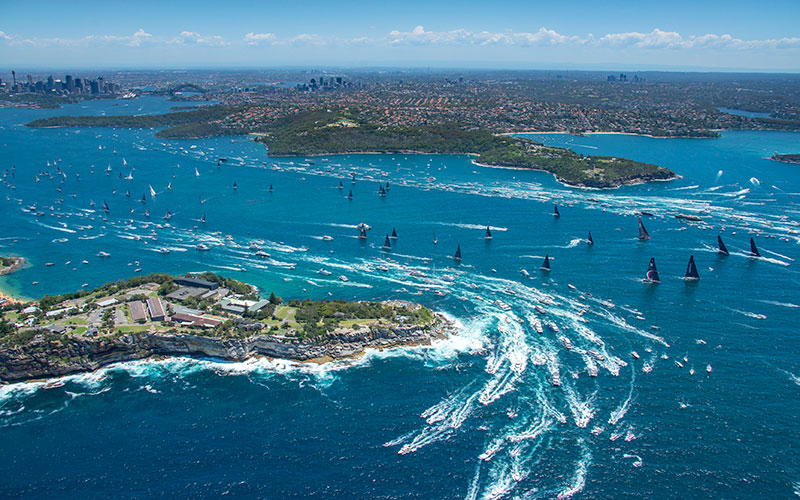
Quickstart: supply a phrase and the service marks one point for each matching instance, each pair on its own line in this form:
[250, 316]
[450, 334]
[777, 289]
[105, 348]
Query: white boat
[325, 237]
[502, 305]
[202, 247]
[567, 342]
[537, 325]
[524, 272]
[262, 254]
[343, 278]
[382, 269]
[324, 272]
[163, 250]
[103, 254]
[596, 355]
[439, 293]
[539, 309]
[552, 326]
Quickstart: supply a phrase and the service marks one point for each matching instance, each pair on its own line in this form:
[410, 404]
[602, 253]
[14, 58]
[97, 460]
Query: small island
[10, 264]
[205, 316]
[788, 158]
[348, 131]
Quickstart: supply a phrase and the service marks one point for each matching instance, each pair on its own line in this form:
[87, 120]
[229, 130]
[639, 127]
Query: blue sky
[730, 35]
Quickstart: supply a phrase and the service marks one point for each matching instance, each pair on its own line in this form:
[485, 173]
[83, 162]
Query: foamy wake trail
[501, 384]
[458, 411]
[749, 314]
[582, 410]
[579, 478]
[782, 304]
[622, 409]
[474, 486]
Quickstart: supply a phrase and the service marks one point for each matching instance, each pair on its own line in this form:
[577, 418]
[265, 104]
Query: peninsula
[205, 315]
[350, 131]
[788, 158]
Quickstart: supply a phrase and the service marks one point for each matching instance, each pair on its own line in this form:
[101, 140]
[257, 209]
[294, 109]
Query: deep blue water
[476, 416]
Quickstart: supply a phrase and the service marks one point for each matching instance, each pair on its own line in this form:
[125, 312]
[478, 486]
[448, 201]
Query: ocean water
[476, 416]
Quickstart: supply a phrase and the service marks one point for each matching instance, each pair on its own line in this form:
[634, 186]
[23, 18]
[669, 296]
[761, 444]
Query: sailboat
[363, 234]
[350, 196]
[91, 203]
[488, 235]
[394, 234]
[643, 235]
[169, 185]
[341, 186]
[457, 256]
[144, 198]
[152, 191]
[129, 177]
[128, 193]
[203, 219]
[753, 249]
[387, 185]
[556, 213]
[234, 185]
[652, 272]
[435, 241]
[168, 215]
[722, 248]
[590, 241]
[387, 245]
[691, 270]
[105, 206]
[196, 173]
[381, 191]
[270, 188]
[546, 263]
[146, 213]
[108, 170]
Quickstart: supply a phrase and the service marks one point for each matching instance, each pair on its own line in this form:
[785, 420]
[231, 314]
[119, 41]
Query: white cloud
[257, 38]
[193, 37]
[656, 39]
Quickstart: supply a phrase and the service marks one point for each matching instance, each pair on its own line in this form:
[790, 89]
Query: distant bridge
[186, 87]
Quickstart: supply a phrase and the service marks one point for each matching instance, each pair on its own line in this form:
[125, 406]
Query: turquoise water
[475, 416]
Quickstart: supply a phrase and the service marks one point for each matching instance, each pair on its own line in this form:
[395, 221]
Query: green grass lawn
[133, 328]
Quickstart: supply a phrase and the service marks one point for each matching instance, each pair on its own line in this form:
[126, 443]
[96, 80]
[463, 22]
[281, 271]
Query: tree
[274, 299]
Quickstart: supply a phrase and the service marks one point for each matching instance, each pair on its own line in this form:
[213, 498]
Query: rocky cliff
[45, 358]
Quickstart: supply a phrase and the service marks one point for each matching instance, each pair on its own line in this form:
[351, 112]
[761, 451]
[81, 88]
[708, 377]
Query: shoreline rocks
[44, 358]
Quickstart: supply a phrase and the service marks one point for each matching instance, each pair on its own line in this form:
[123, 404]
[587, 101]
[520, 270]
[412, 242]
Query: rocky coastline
[44, 357]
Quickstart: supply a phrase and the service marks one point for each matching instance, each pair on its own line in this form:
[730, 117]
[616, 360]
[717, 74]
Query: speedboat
[202, 247]
[103, 254]
[324, 272]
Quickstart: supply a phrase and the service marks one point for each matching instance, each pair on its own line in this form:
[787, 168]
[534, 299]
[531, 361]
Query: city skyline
[737, 36]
